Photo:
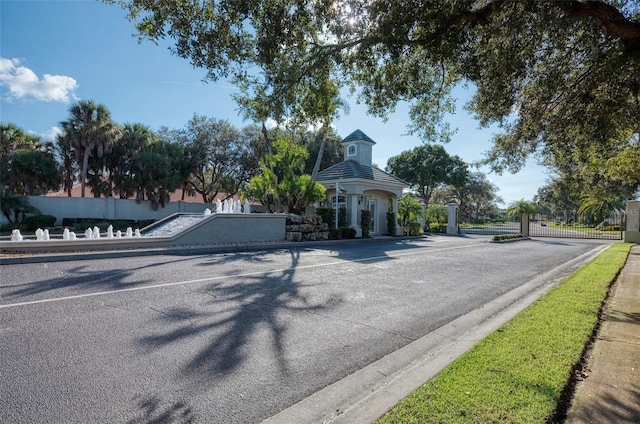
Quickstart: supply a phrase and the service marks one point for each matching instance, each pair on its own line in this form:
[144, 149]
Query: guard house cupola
[357, 147]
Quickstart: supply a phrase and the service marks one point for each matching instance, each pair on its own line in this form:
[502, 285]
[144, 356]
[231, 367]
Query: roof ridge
[358, 135]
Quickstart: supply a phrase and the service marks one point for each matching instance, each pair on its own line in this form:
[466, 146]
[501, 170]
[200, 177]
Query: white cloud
[52, 133]
[23, 83]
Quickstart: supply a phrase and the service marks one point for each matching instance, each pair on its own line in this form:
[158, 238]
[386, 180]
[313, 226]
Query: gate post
[632, 233]
[452, 219]
[524, 225]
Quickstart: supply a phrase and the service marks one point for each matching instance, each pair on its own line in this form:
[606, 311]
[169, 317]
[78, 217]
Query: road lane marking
[221, 277]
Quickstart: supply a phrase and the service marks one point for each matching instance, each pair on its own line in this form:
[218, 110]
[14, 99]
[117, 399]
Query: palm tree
[15, 208]
[599, 205]
[13, 138]
[409, 209]
[135, 137]
[91, 132]
[520, 207]
[69, 163]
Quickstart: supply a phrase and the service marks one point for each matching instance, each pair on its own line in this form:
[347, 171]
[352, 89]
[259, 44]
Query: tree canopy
[548, 72]
[222, 157]
[282, 186]
[427, 167]
[91, 132]
[477, 198]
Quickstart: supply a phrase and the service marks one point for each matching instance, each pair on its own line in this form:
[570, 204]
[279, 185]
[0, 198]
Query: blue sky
[53, 53]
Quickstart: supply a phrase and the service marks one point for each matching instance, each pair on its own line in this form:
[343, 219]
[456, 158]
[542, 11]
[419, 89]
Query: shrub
[365, 222]
[348, 232]
[7, 228]
[501, 237]
[413, 228]
[118, 224]
[329, 217]
[391, 223]
[32, 223]
[434, 227]
[436, 213]
[326, 214]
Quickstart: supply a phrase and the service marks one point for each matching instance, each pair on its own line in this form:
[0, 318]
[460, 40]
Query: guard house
[362, 186]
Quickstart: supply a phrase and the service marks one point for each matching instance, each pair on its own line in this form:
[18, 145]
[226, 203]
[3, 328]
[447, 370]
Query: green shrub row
[329, 216]
[391, 223]
[501, 237]
[436, 227]
[365, 222]
[118, 224]
[342, 233]
[31, 224]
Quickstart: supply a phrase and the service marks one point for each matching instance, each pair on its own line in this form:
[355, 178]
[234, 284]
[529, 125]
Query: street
[235, 337]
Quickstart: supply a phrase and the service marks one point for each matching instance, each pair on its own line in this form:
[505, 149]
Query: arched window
[351, 150]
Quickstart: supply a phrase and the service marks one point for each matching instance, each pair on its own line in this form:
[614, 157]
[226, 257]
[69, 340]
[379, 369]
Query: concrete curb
[28, 258]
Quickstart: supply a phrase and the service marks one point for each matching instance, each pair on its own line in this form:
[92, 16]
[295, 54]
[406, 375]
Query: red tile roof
[173, 197]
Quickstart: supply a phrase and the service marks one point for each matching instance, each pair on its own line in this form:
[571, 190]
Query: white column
[632, 233]
[398, 229]
[354, 215]
[452, 219]
[524, 225]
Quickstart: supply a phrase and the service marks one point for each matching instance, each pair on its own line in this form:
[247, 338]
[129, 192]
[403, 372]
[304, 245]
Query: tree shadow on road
[154, 411]
[239, 310]
[86, 279]
[75, 278]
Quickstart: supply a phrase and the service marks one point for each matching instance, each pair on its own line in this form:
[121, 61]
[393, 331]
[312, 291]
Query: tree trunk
[85, 167]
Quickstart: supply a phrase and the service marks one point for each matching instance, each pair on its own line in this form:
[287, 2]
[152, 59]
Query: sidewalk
[611, 391]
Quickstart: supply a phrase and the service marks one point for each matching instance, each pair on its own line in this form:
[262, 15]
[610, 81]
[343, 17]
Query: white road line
[248, 274]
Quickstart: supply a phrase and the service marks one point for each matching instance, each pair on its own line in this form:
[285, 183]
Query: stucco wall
[213, 230]
[109, 208]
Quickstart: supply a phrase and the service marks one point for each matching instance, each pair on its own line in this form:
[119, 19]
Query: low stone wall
[306, 228]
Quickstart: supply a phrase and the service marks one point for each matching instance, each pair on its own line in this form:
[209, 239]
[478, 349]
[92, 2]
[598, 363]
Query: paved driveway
[233, 337]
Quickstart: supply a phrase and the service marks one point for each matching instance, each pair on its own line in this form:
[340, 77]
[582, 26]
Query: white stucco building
[362, 186]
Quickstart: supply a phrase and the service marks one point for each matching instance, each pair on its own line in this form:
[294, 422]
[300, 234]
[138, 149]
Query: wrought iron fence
[548, 226]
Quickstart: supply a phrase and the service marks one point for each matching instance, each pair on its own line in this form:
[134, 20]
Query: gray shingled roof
[350, 169]
[358, 135]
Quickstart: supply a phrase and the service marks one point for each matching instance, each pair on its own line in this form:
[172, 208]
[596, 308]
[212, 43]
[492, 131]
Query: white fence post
[632, 232]
[452, 219]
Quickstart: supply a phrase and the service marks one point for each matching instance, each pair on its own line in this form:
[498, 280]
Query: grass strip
[517, 374]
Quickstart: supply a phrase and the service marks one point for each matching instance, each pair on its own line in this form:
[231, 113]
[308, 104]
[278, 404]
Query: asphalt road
[233, 338]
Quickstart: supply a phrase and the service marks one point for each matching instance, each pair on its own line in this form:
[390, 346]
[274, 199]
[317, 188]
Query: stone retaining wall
[306, 228]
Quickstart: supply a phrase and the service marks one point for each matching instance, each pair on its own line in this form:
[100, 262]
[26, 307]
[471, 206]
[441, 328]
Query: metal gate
[491, 227]
[545, 226]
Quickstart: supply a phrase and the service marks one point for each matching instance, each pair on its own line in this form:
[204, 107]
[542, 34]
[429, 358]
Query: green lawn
[516, 375]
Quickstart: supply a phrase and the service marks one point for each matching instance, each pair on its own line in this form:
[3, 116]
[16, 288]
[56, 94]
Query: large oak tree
[428, 167]
[546, 71]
